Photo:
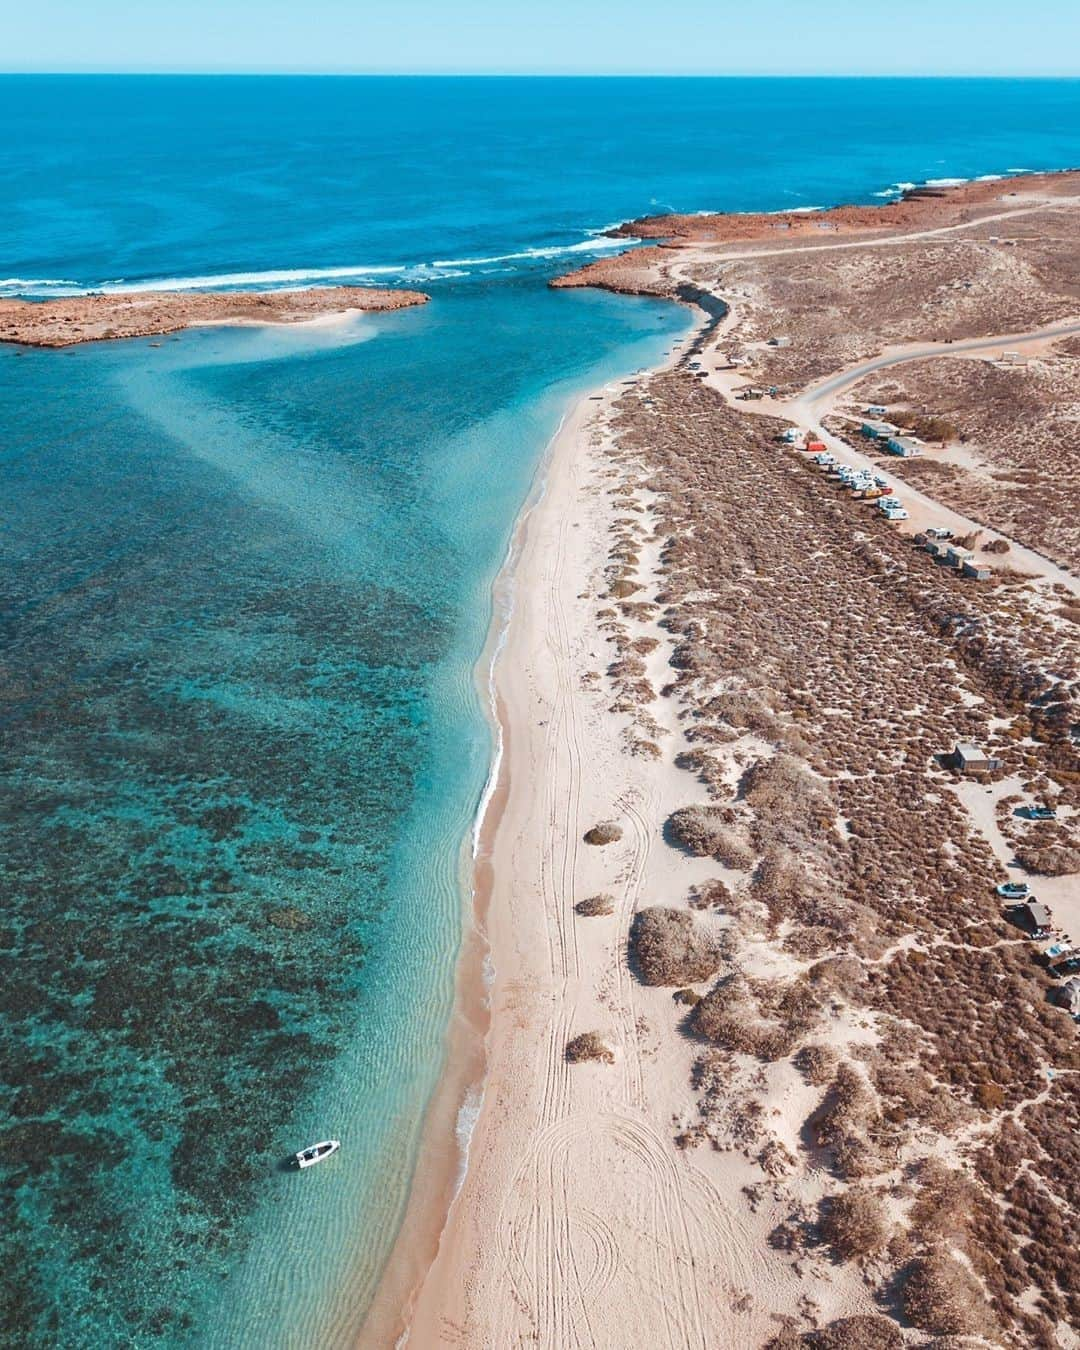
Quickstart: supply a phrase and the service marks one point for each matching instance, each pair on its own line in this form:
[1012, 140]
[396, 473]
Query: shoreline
[432, 1199]
[435, 1187]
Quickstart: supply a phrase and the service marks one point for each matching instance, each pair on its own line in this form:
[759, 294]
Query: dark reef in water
[212, 745]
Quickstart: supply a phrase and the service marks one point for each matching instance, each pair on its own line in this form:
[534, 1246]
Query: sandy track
[1047, 204]
[808, 410]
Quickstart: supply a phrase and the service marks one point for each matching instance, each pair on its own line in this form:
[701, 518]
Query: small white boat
[308, 1157]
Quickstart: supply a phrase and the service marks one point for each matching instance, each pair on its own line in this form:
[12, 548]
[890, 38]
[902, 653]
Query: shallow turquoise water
[247, 579]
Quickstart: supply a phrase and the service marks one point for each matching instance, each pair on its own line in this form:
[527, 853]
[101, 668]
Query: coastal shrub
[783, 784]
[928, 427]
[846, 1122]
[622, 589]
[670, 947]
[817, 1063]
[605, 832]
[942, 1297]
[1052, 860]
[595, 905]
[707, 831]
[710, 895]
[864, 1331]
[694, 828]
[946, 1199]
[589, 1045]
[763, 1019]
[854, 1224]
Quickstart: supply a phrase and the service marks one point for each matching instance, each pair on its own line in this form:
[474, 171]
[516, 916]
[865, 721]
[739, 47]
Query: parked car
[938, 532]
[1039, 812]
[1013, 890]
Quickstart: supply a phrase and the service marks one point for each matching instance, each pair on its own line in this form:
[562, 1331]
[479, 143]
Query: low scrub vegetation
[589, 1045]
[854, 1224]
[942, 1297]
[606, 832]
[670, 947]
[594, 906]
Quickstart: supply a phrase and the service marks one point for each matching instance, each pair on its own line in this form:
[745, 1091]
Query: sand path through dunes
[579, 1223]
[808, 410]
[717, 253]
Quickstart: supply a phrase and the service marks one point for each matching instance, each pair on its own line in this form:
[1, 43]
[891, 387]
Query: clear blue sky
[1022, 37]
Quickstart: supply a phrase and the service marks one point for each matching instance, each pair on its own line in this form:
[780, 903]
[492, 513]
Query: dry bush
[622, 589]
[694, 827]
[996, 546]
[594, 906]
[842, 975]
[817, 1063]
[927, 427]
[671, 947]
[846, 1122]
[782, 784]
[942, 1297]
[707, 831]
[945, 1202]
[756, 1018]
[589, 1045]
[854, 1224]
[606, 832]
[1052, 860]
[711, 895]
[864, 1331]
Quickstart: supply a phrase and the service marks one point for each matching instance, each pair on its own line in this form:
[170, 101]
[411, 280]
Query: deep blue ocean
[246, 580]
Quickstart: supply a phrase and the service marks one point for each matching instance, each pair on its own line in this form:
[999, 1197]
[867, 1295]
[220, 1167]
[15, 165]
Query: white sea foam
[946, 182]
[553, 251]
[468, 1115]
[275, 277]
[283, 278]
[36, 285]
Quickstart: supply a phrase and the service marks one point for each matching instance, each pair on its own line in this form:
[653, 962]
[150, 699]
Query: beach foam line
[284, 278]
[593, 245]
[273, 277]
[23, 285]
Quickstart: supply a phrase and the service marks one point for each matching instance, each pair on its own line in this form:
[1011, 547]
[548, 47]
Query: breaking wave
[296, 277]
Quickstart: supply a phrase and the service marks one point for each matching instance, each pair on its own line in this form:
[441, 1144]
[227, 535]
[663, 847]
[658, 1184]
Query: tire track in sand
[576, 1258]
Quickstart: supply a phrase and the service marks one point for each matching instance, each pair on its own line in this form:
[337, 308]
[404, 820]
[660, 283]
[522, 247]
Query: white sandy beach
[578, 1219]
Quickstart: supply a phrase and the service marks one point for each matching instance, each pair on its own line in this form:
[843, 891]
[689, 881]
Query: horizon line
[302, 73]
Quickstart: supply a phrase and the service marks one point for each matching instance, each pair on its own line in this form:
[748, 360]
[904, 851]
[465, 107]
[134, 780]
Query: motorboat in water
[308, 1157]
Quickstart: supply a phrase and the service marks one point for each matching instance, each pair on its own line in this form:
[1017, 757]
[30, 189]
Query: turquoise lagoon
[248, 578]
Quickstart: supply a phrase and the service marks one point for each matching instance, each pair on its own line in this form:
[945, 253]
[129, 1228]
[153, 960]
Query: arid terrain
[1005, 444]
[92, 318]
[771, 1062]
